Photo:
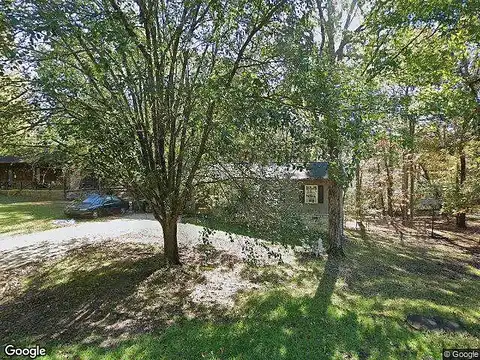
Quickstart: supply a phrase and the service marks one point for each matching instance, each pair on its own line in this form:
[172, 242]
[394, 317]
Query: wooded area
[150, 92]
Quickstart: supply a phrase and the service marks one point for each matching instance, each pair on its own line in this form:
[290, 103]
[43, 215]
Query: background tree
[432, 48]
[328, 87]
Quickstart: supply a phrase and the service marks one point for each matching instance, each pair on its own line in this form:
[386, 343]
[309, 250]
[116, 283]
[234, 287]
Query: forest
[149, 93]
[240, 179]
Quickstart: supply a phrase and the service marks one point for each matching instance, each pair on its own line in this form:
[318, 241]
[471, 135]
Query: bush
[269, 209]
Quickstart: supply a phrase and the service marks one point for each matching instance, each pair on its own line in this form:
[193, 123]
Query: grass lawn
[21, 215]
[121, 302]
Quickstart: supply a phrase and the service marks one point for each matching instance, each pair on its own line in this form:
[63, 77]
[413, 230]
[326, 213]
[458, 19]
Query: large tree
[143, 83]
[334, 95]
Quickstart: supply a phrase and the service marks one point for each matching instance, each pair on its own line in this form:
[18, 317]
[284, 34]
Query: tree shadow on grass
[419, 280]
[354, 318]
[326, 287]
[347, 318]
[275, 325]
[90, 295]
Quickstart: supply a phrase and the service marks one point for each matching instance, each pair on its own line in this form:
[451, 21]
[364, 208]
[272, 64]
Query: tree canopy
[150, 92]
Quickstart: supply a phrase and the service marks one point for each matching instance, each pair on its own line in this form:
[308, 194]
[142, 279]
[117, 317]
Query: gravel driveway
[18, 250]
[21, 254]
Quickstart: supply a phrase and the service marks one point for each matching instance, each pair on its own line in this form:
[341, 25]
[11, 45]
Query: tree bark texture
[411, 166]
[389, 183]
[170, 241]
[405, 197]
[335, 226]
[359, 197]
[380, 191]
[411, 194]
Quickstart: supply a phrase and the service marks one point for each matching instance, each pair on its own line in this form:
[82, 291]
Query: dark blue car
[96, 205]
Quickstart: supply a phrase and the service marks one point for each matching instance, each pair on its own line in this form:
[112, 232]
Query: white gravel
[92, 231]
[20, 252]
[17, 250]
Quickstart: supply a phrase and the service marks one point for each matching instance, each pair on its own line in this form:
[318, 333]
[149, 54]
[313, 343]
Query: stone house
[313, 185]
[310, 179]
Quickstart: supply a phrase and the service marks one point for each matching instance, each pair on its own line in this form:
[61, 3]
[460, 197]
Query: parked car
[95, 205]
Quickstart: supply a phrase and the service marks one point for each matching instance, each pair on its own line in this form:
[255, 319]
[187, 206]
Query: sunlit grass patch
[19, 215]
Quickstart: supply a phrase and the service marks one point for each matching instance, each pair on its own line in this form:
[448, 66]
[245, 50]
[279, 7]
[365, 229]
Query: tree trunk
[461, 216]
[411, 200]
[170, 243]
[389, 187]
[335, 228]
[461, 220]
[358, 197]
[405, 190]
[64, 181]
[380, 190]
[411, 167]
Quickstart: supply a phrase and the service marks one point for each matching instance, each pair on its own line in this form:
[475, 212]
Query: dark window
[320, 194]
[301, 193]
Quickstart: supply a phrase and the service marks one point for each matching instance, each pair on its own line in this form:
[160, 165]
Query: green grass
[286, 233]
[215, 223]
[328, 309]
[22, 215]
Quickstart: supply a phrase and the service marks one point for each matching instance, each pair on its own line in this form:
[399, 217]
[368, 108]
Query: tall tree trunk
[461, 216]
[405, 197]
[64, 181]
[380, 189]
[359, 197]
[411, 199]
[411, 166]
[335, 226]
[389, 184]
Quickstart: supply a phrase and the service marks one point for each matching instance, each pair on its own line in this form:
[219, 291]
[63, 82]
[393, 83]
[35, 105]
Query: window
[109, 199]
[311, 194]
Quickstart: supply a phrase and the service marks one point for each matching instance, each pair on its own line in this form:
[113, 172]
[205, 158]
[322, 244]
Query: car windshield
[93, 200]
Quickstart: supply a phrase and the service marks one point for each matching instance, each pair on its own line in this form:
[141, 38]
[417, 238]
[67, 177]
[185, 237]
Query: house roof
[312, 170]
[10, 160]
[296, 171]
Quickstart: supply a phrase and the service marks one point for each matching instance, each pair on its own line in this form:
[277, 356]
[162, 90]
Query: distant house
[313, 183]
[312, 179]
[18, 173]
